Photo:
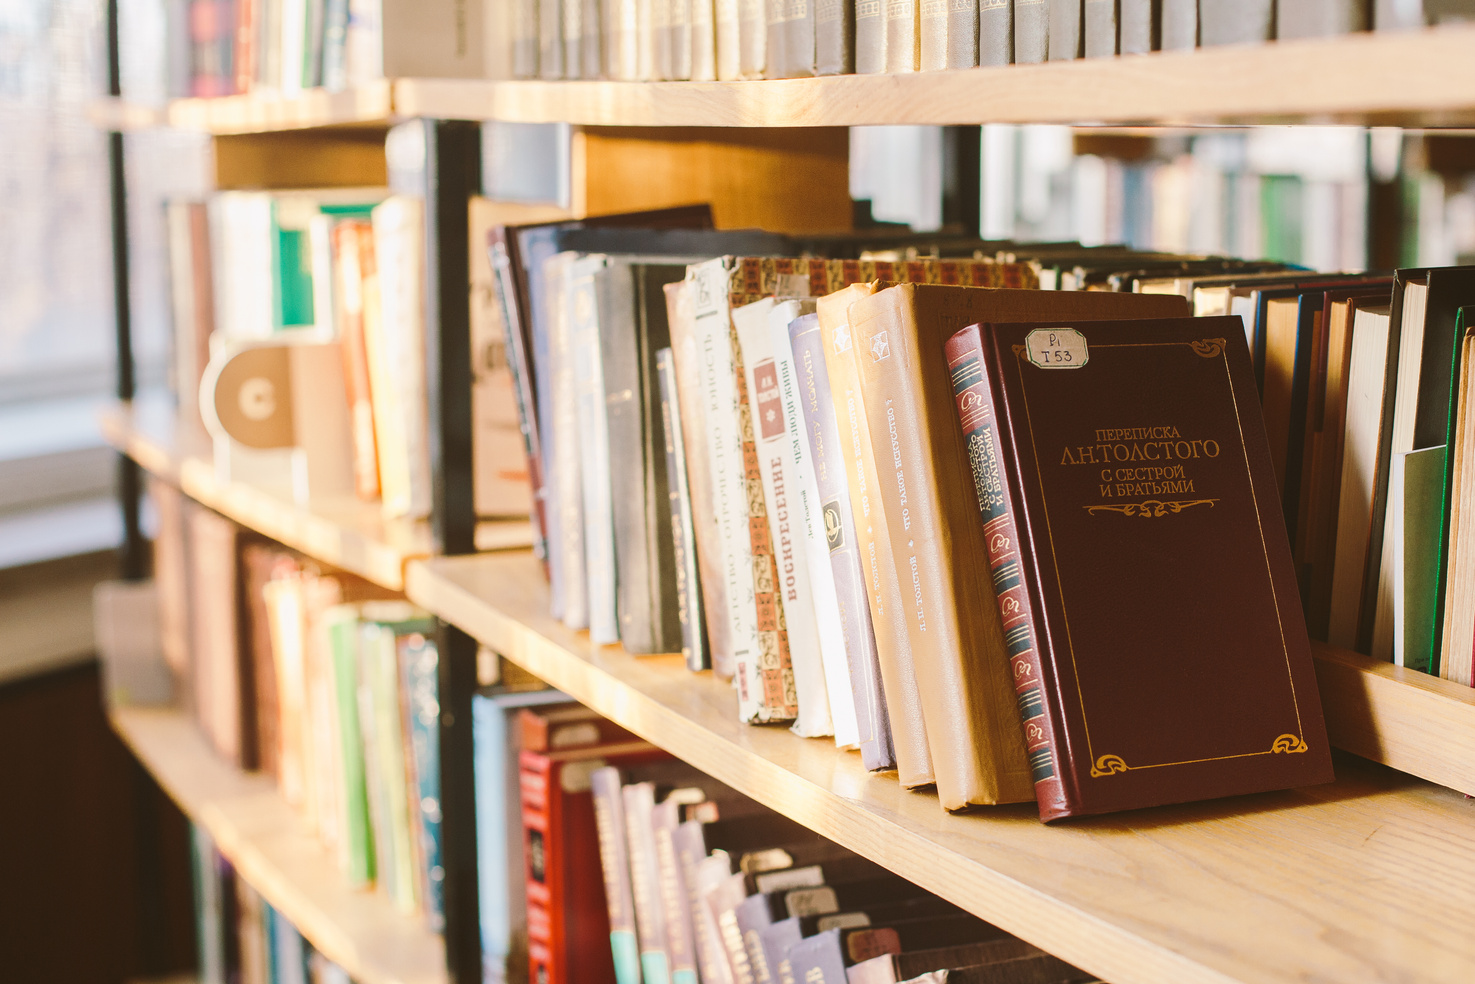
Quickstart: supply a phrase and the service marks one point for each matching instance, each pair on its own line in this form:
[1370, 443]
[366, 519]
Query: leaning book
[1166, 631]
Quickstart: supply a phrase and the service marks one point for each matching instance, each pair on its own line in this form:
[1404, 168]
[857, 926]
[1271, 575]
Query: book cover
[703, 41]
[260, 563]
[1031, 31]
[927, 496]
[870, 37]
[726, 45]
[1236, 22]
[645, 883]
[614, 861]
[1416, 568]
[752, 38]
[564, 471]
[834, 37]
[1140, 21]
[801, 38]
[820, 959]
[1065, 30]
[903, 44]
[342, 625]
[222, 671]
[1225, 620]
[826, 453]
[995, 32]
[675, 899]
[683, 534]
[793, 592]
[1102, 20]
[681, 44]
[1320, 18]
[723, 893]
[776, 37]
[420, 712]
[691, 854]
[355, 275]
[1179, 26]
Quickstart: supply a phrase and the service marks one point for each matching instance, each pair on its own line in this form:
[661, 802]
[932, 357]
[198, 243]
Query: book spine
[543, 878]
[1102, 20]
[625, 41]
[688, 587]
[567, 509]
[357, 839]
[834, 37]
[819, 959]
[525, 39]
[798, 469]
[966, 359]
[1064, 31]
[681, 39]
[1178, 29]
[799, 40]
[675, 906]
[962, 36]
[703, 42]
[872, 723]
[934, 34]
[727, 40]
[722, 900]
[591, 54]
[776, 54]
[870, 37]
[752, 36]
[1032, 31]
[244, 54]
[645, 883]
[779, 523]
[977, 750]
[707, 541]
[691, 852]
[614, 861]
[995, 32]
[659, 41]
[572, 33]
[404, 473]
[419, 658]
[1139, 26]
[1236, 21]
[593, 438]
[756, 634]
[902, 35]
[873, 544]
[352, 240]
[1320, 18]
[754, 914]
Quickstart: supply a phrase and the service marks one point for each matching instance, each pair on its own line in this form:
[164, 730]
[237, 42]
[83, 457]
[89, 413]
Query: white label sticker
[1056, 348]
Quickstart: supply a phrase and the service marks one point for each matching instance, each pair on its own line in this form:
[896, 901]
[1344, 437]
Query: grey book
[550, 39]
[799, 38]
[1103, 22]
[1319, 18]
[1179, 25]
[591, 56]
[995, 32]
[870, 37]
[573, 39]
[1138, 22]
[1031, 31]
[1064, 32]
[752, 24]
[949, 34]
[1400, 15]
[834, 37]
[1235, 22]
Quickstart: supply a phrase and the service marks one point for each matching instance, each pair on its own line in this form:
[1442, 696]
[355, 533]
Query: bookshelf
[270, 846]
[347, 533]
[1355, 880]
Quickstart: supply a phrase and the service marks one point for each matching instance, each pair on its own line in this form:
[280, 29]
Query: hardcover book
[995, 32]
[683, 534]
[1219, 697]
[1031, 31]
[834, 37]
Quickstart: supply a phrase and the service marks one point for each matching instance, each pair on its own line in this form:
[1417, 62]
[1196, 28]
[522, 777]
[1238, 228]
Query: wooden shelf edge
[1410, 721]
[270, 847]
[1418, 78]
[121, 116]
[367, 105]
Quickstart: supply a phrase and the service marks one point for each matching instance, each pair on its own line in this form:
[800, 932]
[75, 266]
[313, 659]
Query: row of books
[241, 938]
[318, 678]
[626, 865]
[249, 268]
[706, 40]
[731, 474]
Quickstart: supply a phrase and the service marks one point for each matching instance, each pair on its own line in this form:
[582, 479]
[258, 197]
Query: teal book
[358, 836]
[418, 663]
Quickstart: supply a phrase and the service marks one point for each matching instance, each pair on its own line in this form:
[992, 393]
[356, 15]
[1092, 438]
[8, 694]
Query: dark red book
[1165, 627]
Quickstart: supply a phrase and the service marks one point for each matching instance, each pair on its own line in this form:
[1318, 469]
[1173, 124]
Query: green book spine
[358, 834]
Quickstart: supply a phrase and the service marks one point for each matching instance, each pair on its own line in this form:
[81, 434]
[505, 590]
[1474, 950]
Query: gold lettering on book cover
[1151, 508]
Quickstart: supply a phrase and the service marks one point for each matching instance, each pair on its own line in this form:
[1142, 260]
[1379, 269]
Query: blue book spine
[876, 748]
[418, 659]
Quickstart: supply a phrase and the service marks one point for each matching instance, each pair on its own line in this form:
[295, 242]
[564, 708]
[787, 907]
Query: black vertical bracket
[451, 176]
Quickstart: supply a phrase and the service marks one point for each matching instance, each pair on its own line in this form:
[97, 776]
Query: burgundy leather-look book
[1161, 616]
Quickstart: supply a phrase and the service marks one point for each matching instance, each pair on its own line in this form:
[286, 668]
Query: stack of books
[319, 679]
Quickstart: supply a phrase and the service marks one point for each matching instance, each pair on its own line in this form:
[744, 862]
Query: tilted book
[1148, 524]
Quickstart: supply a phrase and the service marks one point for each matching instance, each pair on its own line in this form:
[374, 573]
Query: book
[890, 968]
[1139, 22]
[776, 37]
[645, 882]
[357, 851]
[801, 38]
[680, 29]
[723, 893]
[259, 564]
[614, 860]
[903, 35]
[1031, 31]
[563, 463]
[1230, 627]
[870, 37]
[675, 900]
[418, 660]
[834, 37]
[756, 632]
[683, 533]
[191, 299]
[222, 674]
[752, 38]
[691, 853]
[1179, 25]
[926, 493]
[353, 255]
[873, 727]
[1102, 21]
[1454, 651]
[727, 53]
[995, 32]
[1234, 22]
[703, 42]
[948, 34]
[1400, 15]
[1065, 32]
[500, 863]
[782, 489]
[1416, 557]
[1320, 18]
[883, 589]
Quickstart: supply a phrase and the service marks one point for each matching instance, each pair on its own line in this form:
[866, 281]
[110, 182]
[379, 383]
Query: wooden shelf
[349, 534]
[1365, 879]
[112, 113]
[271, 848]
[370, 105]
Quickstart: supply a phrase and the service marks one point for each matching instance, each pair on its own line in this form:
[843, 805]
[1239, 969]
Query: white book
[320, 247]
[399, 239]
[726, 39]
[781, 493]
[703, 42]
[750, 652]
[582, 293]
[241, 257]
[624, 30]
[294, 46]
[1405, 404]
[1365, 383]
[800, 465]
[567, 512]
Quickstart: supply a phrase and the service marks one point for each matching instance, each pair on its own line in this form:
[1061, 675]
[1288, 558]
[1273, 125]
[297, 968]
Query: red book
[1165, 624]
[568, 918]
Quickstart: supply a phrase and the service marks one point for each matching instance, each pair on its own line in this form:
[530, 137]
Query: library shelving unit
[1364, 879]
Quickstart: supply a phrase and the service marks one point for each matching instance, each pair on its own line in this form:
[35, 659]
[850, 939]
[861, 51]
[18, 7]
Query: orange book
[353, 266]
